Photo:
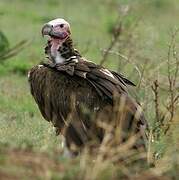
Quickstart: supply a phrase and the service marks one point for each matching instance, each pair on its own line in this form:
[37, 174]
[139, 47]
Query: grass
[146, 44]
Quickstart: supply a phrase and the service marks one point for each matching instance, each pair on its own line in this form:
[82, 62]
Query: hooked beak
[48, 30]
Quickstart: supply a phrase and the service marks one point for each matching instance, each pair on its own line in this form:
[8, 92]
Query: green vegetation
[147, 26]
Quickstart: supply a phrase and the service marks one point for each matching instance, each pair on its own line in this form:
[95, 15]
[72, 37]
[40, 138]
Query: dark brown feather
[73, 95]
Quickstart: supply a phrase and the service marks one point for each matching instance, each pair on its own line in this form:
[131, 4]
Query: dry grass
[137, 49]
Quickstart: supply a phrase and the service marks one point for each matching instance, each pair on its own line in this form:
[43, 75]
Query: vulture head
[58, 31]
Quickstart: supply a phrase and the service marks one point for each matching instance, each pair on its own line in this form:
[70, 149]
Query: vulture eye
[61, 25]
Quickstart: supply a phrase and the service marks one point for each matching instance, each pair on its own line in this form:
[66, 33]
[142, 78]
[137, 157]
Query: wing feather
[104, 81]
[53, 88]
[122, 79]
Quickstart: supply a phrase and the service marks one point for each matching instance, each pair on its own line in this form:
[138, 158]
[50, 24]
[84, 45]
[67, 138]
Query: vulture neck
[67, 50]
[64, 52]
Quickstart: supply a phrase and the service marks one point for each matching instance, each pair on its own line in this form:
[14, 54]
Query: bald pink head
[58, 31]
[57, 28]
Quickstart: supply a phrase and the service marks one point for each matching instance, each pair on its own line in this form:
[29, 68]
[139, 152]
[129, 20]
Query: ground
[26, 138]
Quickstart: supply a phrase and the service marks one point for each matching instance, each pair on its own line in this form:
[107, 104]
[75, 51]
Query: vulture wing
[77, 93]
[104, 81]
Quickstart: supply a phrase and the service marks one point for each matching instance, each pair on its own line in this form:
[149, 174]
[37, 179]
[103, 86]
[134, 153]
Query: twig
[155, 87]
[115, 39]
[127, 60]
[172, 80]
[13, 51]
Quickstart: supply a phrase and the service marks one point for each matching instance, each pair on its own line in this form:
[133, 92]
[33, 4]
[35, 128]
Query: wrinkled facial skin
[58, 28]
[58, 31]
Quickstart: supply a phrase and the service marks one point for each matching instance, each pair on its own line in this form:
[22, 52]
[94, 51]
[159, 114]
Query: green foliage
[159, 4]
[92, 23]
[4, 43]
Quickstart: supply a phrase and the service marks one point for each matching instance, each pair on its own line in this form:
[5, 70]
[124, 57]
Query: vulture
[81, 98]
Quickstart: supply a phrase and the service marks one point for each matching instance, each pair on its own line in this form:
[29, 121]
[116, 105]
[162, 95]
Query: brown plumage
[76, 94]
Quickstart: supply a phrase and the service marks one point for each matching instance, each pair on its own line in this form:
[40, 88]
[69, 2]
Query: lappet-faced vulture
[78, 96]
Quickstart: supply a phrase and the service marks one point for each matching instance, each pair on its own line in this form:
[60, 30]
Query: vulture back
[77, 110]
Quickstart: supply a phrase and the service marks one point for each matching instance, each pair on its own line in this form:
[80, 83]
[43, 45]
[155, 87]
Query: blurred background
[141, 41]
